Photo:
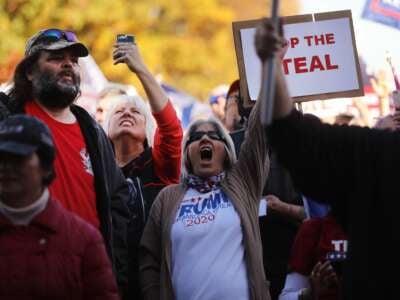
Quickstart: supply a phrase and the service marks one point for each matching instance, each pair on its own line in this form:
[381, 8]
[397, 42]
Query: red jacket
[57, 256]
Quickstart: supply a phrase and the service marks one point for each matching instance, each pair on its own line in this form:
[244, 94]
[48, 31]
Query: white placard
[320, 58]
[262, 208]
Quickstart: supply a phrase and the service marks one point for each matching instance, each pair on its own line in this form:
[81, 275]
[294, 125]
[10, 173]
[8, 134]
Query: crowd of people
[129, 206]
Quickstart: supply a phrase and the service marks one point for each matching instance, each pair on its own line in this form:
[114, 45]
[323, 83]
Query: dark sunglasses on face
[56, 35]
[197, 135]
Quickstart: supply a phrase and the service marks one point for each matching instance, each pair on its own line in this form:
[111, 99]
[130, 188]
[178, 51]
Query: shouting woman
[202, 239]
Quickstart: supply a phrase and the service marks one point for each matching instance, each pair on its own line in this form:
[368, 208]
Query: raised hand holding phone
[127, 52]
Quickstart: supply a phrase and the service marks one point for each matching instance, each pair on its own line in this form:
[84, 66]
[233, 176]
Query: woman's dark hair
[22, 88]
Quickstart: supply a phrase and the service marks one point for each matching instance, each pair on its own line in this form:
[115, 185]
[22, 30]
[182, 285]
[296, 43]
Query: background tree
[188, 42]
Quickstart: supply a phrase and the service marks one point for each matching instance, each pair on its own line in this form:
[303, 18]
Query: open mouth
[67, 76]
[206, 153]
[126, 123]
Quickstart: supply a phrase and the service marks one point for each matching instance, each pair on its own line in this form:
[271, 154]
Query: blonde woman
[148, 157]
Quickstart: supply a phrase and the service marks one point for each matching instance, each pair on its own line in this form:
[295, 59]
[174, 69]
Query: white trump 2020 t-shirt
[207, 249]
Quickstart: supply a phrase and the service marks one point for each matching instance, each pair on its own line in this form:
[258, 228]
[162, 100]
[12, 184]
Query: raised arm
[267, 43]
[128, 53]
[327, 162]
[253, 161]
[168, 136]
[167, 145]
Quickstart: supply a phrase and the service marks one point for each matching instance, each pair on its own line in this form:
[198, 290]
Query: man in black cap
[88, 182]
[46, 251]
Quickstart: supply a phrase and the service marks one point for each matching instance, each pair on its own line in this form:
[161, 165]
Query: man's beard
[53, 94]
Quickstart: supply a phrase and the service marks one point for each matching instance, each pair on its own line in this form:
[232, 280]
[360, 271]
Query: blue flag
[383, 11]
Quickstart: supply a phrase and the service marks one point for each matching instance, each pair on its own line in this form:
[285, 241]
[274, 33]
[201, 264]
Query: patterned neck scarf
[205, 185]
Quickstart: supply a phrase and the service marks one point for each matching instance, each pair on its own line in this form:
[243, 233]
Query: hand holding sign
[267, 40]
[268, 43]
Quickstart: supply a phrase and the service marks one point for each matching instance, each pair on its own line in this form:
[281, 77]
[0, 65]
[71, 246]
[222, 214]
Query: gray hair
[186, 168]
[142, 107]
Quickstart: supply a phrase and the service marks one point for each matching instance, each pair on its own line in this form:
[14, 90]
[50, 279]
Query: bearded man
[88, 181]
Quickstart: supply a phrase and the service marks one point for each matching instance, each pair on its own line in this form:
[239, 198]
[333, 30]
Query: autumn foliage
[188, 42]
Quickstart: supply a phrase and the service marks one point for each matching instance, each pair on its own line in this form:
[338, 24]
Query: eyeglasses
[56, 35]
[197, 135]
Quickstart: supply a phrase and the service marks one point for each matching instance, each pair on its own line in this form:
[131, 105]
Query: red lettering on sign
[300, 65]
[304, 65]
[285, 63]
[316, 64]
[293, 42]
[321, 39]
[328, 63]
[330, 38]
[308, 39]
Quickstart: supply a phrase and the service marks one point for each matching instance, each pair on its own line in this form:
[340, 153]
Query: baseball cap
[24, 135]
[55, 39]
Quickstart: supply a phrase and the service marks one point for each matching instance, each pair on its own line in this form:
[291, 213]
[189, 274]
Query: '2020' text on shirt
[207, 249]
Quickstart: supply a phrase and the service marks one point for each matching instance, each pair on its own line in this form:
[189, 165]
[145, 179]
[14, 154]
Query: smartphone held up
[125, 38]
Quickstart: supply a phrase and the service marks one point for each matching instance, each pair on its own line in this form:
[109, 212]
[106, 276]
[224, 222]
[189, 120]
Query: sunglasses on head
[56, 35]
[197, 135]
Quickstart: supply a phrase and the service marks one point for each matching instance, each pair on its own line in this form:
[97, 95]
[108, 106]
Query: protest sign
[321, 61]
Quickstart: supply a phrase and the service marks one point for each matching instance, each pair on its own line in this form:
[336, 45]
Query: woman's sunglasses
[197, 135]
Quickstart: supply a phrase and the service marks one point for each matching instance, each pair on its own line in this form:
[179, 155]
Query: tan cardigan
[243, 184]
